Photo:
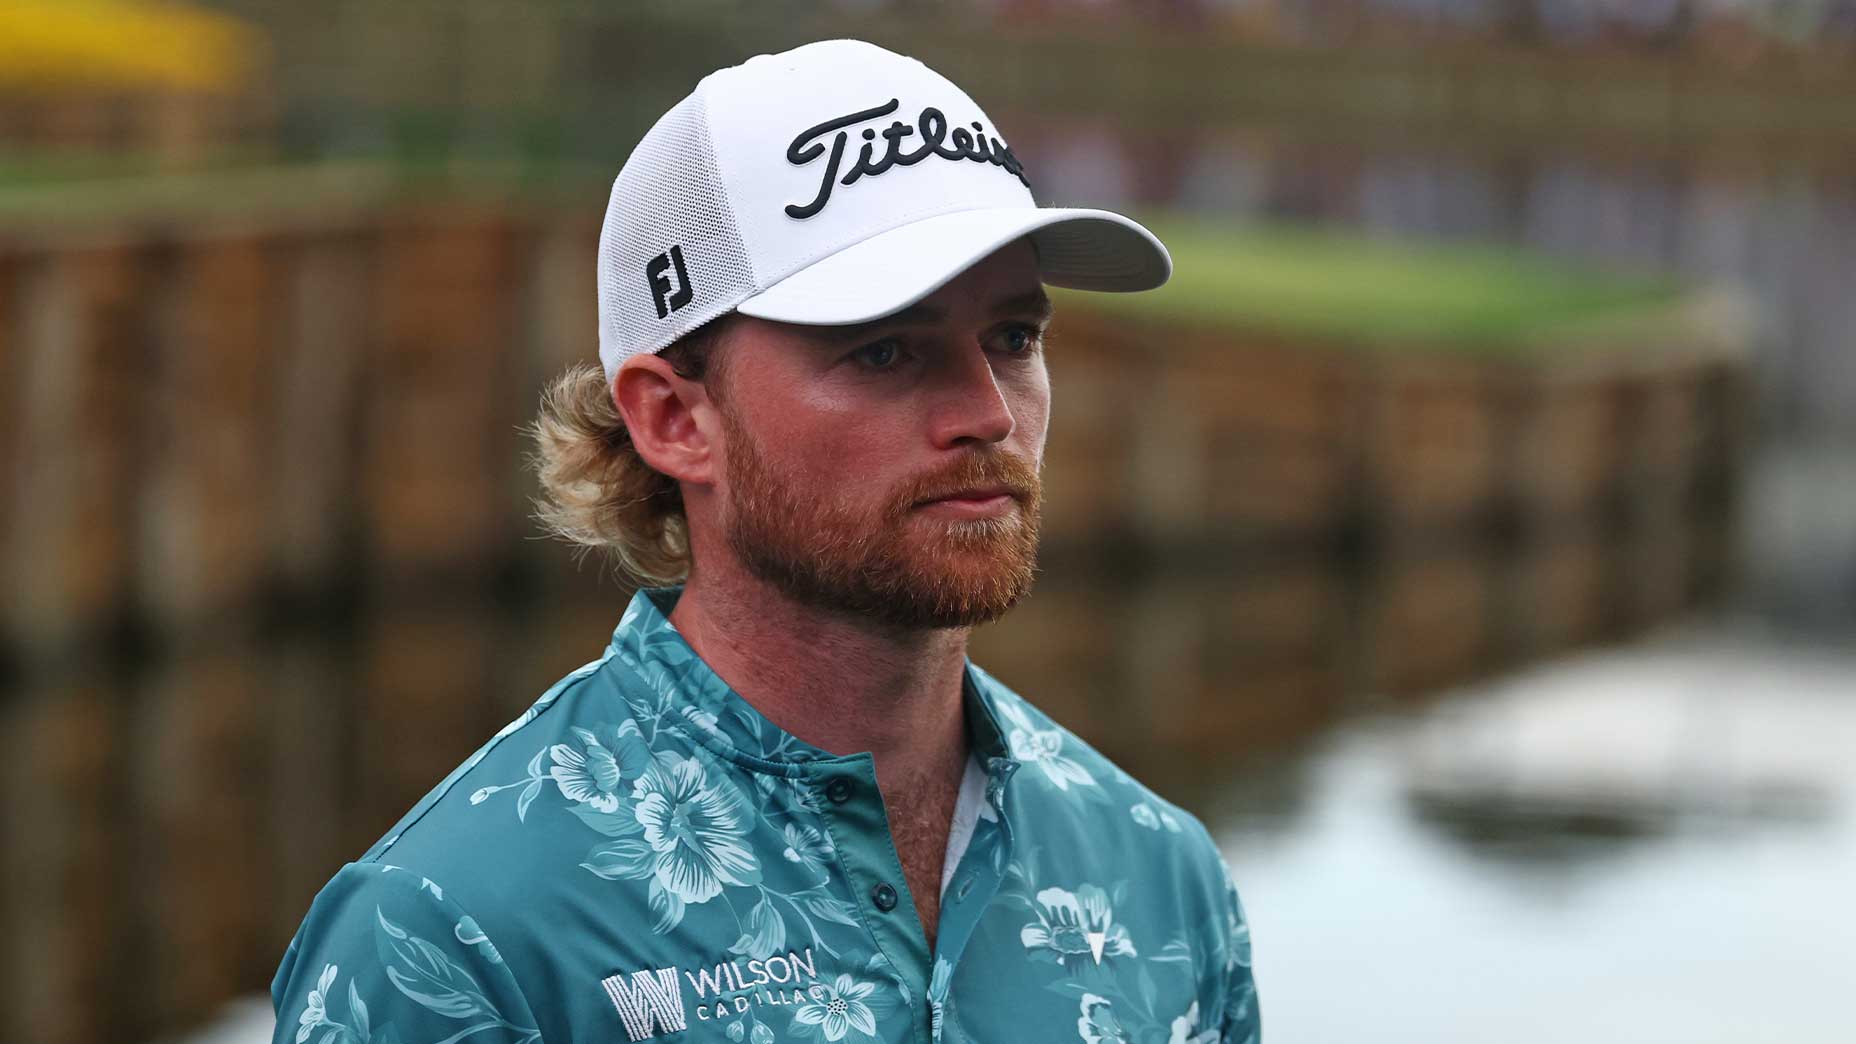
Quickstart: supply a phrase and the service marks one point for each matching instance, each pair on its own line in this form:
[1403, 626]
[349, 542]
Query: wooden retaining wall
[199, 422]
[202, 423]
[1232, 438]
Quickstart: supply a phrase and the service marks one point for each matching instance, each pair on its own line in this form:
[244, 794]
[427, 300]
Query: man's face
[843, 446]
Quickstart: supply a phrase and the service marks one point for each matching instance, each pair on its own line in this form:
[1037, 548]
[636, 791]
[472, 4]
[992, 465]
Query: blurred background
[1467, 534]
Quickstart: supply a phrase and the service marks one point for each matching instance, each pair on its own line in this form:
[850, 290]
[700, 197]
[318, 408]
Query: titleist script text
[936, 140]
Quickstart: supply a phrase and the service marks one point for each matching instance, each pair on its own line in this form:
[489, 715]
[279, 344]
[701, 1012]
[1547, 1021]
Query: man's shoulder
[512, 815]
[381, 937]
[496, 862]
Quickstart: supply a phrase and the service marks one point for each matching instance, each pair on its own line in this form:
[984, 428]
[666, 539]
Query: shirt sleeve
[384, 957]
[1242, 1022]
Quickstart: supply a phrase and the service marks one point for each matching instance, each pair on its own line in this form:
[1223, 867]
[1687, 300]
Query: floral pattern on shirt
[599, 772]
[1098, 1023]
[1186, 1029]
[1043, 748]
[438, 981]
[695, 825]
[1076, 929]
[846, 1007]
[807, 847]
[672, 804]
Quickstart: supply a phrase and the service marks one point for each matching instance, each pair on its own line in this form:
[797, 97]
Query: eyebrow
[1034, 303]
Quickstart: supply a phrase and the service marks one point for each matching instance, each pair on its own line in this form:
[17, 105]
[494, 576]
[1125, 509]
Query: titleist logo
[936, 140]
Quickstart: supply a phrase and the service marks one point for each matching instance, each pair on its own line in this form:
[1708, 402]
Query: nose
[970, 405]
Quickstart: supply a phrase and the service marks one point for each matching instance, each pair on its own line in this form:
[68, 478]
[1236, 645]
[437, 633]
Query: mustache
[1012, 474]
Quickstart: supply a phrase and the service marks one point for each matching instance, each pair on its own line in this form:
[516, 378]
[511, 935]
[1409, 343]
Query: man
[783, 805]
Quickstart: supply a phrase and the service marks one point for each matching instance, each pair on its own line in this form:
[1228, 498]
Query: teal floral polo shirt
[642, 856]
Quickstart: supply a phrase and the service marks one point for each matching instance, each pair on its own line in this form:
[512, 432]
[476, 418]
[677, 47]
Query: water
[1653, 843]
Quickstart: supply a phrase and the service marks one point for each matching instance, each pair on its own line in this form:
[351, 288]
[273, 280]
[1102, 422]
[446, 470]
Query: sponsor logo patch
[651, 1002]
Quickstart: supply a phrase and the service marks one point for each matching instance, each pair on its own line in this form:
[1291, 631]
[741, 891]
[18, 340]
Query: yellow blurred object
[112, 45]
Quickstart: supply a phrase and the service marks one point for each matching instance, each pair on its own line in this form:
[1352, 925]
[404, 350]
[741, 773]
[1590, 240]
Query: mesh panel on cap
[669, 193]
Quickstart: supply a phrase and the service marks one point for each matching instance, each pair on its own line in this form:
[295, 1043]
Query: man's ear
[662, 409]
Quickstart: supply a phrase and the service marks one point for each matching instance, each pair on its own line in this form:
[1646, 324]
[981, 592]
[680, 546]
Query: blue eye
[879, 355]
[1021, 339]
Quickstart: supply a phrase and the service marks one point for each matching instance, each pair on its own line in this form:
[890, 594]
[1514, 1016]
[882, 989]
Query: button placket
[853, 809]
[976, 883]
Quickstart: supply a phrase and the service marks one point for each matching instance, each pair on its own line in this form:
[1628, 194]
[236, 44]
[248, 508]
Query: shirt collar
[674, 684]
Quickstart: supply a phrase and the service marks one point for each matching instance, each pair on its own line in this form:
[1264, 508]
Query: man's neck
[839, 682]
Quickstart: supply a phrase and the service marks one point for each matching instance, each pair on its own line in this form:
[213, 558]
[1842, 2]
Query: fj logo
[649, 1002]
[668, 298]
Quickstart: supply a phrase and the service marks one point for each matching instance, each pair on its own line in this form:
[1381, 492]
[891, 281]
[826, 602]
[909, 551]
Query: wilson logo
[668, 298]
[649, 1002]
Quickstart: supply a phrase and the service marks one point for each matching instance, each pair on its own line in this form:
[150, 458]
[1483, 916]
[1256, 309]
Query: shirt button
[884, 897]
[838, 790]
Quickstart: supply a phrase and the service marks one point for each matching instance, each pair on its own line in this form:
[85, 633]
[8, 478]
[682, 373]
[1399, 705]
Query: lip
[979, 495]
[973, 503]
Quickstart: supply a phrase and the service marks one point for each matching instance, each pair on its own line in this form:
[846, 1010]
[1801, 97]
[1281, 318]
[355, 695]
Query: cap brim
[1078, 249]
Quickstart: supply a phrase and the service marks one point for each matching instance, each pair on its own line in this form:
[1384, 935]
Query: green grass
[1304, 282]
[1369, 292]
[132, 192]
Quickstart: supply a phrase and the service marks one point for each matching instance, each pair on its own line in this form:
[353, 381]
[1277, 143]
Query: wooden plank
[80, 334]
[325, 335]
[1429, 448]
[1560, 457]
[13, 264]
[199, 559]
[439, 441]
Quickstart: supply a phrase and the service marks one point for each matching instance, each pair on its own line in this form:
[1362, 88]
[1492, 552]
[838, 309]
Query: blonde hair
[596, 491]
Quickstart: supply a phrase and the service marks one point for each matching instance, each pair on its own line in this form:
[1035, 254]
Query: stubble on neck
[842, 683]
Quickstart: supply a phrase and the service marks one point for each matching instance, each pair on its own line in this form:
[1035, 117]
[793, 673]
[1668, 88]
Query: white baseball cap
[834, 183]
